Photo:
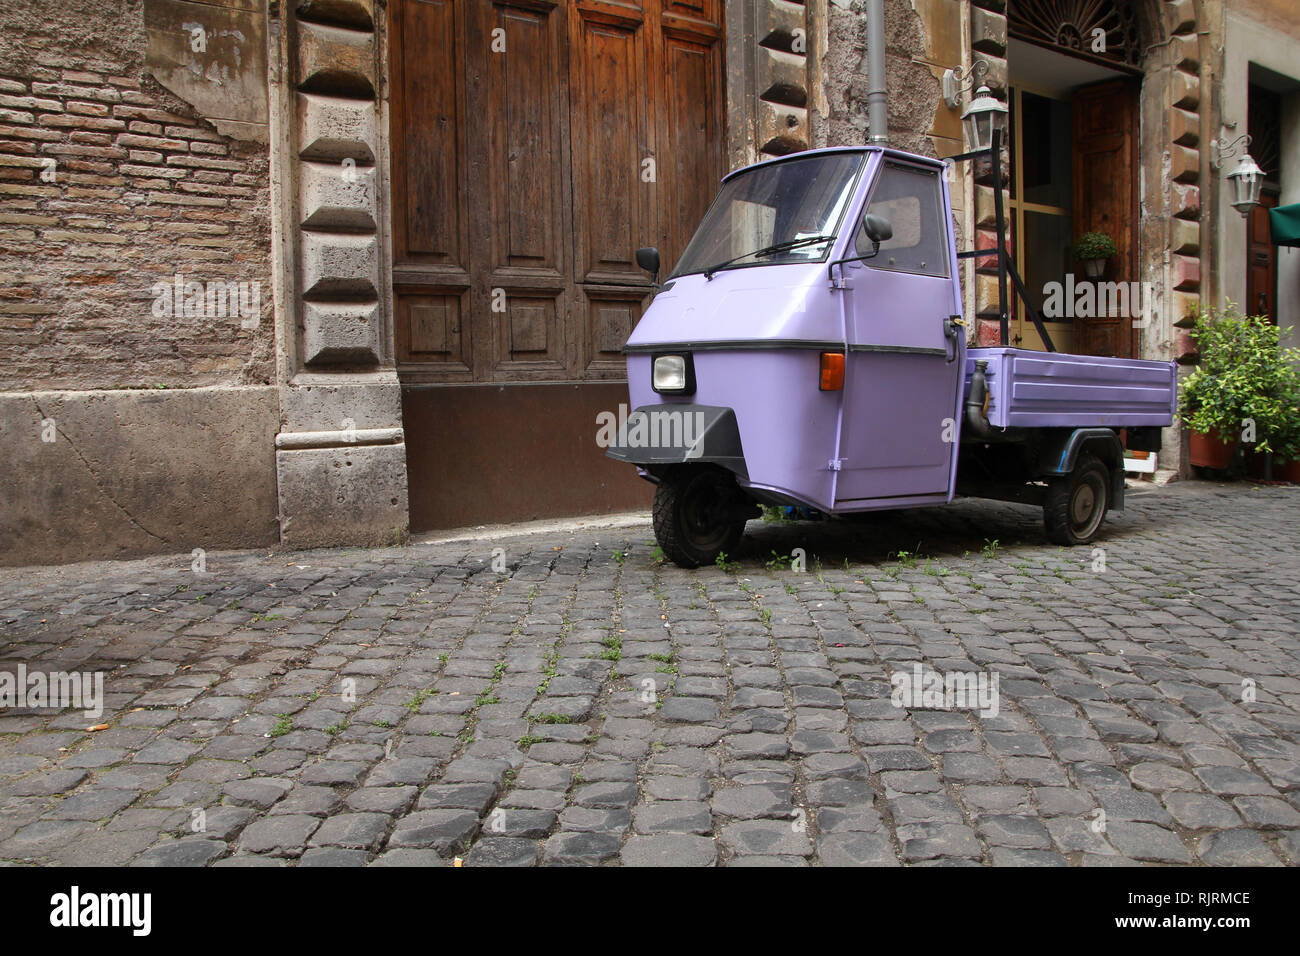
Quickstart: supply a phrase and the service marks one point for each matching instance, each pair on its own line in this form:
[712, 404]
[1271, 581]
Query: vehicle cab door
[905, 356]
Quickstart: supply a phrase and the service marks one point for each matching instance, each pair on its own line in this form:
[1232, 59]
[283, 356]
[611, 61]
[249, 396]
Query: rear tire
[692, 515]
[1076, 503]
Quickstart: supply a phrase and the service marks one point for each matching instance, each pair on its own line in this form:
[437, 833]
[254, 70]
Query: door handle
[953, 326]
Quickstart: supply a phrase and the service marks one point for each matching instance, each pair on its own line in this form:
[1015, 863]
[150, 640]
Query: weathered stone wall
[127, 472]
[913, 89]
[110, 185]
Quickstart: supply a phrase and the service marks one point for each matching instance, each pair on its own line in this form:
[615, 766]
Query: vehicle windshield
[782, 213]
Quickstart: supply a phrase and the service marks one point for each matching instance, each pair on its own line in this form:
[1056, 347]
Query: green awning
[1284, 224]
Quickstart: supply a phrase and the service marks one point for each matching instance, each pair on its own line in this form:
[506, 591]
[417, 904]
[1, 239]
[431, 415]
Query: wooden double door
[536, 144]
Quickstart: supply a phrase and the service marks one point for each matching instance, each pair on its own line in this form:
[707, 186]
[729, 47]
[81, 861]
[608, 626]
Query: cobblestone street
[592, 705]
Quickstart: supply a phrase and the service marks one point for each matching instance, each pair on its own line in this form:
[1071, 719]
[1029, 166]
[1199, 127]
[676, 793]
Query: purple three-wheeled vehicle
[808, 350]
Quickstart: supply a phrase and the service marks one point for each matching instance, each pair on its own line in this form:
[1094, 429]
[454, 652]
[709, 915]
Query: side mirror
[648, 259]
[878, 228]
[875, 228]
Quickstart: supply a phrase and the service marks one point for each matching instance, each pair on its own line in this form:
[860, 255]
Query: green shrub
[1245, 376]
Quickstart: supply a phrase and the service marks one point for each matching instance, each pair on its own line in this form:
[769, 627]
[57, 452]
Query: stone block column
[988, 42]
[340, 451]
[769, 44]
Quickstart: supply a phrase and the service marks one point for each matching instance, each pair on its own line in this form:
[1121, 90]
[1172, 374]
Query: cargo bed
[1031, 389]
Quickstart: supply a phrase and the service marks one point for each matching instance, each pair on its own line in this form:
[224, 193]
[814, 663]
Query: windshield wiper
[768, 251]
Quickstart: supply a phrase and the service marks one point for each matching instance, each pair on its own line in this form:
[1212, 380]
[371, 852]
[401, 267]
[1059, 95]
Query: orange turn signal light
[832, 379]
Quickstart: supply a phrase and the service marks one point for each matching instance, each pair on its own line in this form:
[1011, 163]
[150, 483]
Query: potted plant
[1209, 415]
[1286, 442]
[1245, 391]
[1094, 249]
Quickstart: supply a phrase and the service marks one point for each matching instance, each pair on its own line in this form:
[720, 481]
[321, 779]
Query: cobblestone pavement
[590, 705]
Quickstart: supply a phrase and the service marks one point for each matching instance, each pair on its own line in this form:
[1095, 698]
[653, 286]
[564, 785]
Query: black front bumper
[657, 436]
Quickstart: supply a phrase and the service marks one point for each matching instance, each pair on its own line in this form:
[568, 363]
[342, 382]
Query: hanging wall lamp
[984, 113]
[1245, 179]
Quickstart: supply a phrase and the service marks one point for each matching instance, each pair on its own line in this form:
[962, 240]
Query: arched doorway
[1074, 81]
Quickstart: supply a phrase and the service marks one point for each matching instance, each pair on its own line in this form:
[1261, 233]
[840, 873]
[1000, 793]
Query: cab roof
[828, 150]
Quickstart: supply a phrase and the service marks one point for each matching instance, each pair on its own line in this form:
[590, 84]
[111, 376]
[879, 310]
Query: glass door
[1039, 211]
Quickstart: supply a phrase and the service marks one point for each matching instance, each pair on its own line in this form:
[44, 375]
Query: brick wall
[109, 187]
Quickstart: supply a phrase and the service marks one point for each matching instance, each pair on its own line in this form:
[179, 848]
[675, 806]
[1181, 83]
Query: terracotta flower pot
[1212, 450]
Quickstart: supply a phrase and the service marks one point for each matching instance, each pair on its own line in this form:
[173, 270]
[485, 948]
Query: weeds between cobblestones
[590, 704]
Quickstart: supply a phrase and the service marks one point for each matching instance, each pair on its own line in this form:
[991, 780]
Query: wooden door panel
[609, 316]
[613, 199]
[523, 158]
[692, 150]
[531, 340]
[699, 18]
[1261, 268]
[627, 13]
[430, 330]
[428, 135]
[699, 9]
[431, 255]
[1259, 298]
[1105, 198]
[521, 316]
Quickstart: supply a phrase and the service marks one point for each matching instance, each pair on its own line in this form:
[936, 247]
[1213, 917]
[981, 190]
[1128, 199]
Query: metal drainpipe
[874, 63]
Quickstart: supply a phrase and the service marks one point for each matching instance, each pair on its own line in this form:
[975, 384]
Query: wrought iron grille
[1103, 30]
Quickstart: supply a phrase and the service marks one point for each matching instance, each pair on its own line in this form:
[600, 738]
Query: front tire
[695, 515]
[1076, 503]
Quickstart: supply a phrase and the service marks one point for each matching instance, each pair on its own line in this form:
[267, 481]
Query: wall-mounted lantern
[985, 112]
[982, 116]
[1245, 179]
